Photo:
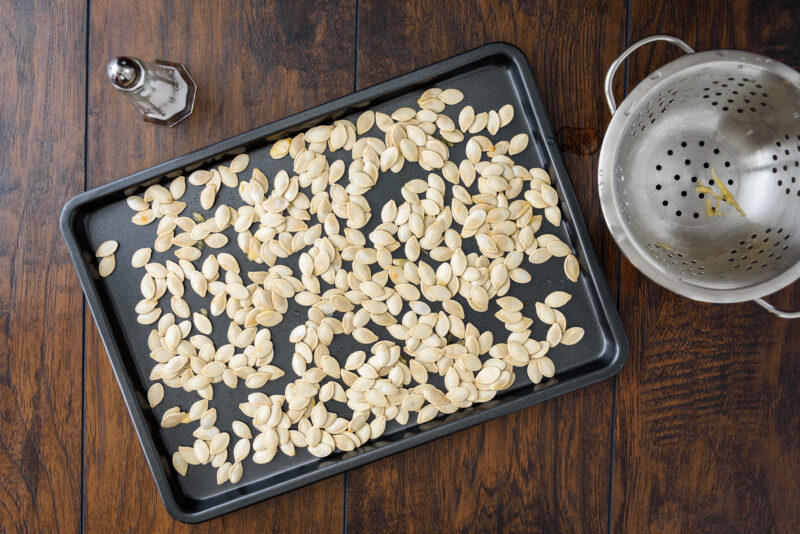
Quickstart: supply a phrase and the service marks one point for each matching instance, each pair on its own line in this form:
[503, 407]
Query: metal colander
[735, 112]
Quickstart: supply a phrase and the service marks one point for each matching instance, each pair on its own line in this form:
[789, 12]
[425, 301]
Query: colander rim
[633, 250]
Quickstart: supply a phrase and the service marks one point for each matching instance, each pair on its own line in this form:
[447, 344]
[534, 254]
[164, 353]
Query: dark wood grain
[546, 468]
[41, 166]
[254, 63]
[707, 422]
[708, 426]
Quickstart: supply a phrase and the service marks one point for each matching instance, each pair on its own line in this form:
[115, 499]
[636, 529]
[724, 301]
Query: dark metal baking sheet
[489, 76]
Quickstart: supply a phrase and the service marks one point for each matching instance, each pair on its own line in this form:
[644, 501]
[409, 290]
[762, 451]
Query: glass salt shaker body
[162, 91]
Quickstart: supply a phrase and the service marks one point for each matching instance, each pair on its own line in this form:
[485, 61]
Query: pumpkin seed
[106, 248]
[106, 266]
[517, 144]
[240, 163]
[155, 394]
[571, 268]
[572, 335]
[506, 115]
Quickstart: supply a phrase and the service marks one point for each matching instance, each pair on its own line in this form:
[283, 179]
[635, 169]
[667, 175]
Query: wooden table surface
[699, 432]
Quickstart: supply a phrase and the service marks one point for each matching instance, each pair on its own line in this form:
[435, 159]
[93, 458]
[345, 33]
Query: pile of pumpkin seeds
[404, 277]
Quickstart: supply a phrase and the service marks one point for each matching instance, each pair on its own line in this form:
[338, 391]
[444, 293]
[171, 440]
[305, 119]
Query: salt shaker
[162, 91]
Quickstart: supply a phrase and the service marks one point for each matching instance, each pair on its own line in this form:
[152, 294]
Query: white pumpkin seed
[155, 394]
[240, 163]
[106, 266]
[106, 248]
[571, 268]
[517, 144]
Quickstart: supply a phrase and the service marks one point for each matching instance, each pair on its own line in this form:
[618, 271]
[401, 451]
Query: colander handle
[617, 62]
[772, 309]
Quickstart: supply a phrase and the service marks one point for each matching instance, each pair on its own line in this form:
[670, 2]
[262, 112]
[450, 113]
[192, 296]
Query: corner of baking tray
[177, 511]
[506, 48]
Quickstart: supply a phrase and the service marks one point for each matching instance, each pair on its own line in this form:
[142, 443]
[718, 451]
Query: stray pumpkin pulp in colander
[724, 196]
